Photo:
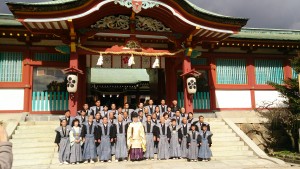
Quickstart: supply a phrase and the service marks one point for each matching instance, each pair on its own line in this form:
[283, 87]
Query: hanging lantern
[100, 60]
[72, 83]
[131, 60]
[156, 63]
[191, 85]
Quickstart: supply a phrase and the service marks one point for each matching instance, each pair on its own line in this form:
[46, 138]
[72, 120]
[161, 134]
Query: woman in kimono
[76, 142]
[63, 142]
[163, 135]
[106, 134]
[167, 118]
[191, 119]
[185, 128]
[149, 127]
[157, 112]
[176, 135]
[193, 141]
[136, 141]
[89, 135]
[97, 119]
[205, 144]
[121, 147]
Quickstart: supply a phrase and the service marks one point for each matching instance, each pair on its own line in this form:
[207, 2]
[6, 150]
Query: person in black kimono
[96, 108]
[63, 142]
[82, 117]
[175, 107]
[151, 107]
[163, 134]
[86, 109]
[89, 134]
[119, 135]
[199, 124]
[106, 135]
[67, 117]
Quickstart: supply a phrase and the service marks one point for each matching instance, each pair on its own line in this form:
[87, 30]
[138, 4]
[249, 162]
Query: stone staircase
[33, 144]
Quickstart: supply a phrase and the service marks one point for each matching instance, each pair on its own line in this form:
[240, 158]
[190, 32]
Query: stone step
[34, 135]
[32, 167]
[44, 161]
[33, 150]
[33, 144]
[231, 153]
[236, 157]
[32, 156]
[228, 148]
[32, 140]
[225, 139]
[40, 123]
[45, 127]
[227, 143]
[31, 131]
[224, 135]
[226, 130]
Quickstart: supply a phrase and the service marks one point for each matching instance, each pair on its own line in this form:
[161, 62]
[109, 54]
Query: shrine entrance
[152, 36]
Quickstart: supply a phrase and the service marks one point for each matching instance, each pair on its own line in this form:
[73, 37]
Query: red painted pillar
[26, 80]
[171, 80]
[188, 98]
[73, 97]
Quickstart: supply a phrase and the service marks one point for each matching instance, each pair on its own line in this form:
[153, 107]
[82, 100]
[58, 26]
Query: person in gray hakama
[163, 135]
[205, 144]
[62, 139]
[75, 141]
[193, 141]
[89, 133]
[121, 146]
[185, 127]
[68, 117]
[149, 128]
[176, 135]
[106, 137]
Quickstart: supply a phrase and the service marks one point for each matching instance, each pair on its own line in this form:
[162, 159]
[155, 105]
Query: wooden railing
[201, 100]
[49, 101]
[11, 66]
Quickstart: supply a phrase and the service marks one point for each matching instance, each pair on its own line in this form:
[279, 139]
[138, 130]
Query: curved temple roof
[60, 5]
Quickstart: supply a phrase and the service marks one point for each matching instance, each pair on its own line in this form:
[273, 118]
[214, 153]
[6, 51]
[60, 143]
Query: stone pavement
[252, 163]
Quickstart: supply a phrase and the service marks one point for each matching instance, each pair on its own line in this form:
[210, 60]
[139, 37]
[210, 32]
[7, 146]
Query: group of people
[99, 132]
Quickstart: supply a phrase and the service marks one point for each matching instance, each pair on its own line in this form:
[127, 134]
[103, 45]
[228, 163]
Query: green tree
[287, 117]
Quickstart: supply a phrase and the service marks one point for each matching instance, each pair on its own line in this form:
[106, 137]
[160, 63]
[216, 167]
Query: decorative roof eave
[210, 16]
[267, 34]
[60, 6]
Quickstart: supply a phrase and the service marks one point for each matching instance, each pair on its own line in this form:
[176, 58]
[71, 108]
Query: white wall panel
[233, 99]
[12, 99]
[268, 96]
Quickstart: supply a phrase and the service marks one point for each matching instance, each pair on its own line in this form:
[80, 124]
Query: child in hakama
[163, 135]
[185, 128]
[62, 140]
[121, 147]
[89, 135]
[149, 128]
[76, 142]
[176, 136]
[205, 144]
[193, 141]
[106, 137]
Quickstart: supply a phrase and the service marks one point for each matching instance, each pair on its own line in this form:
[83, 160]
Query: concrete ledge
[250, 143]
[11, 124]
[241, 116]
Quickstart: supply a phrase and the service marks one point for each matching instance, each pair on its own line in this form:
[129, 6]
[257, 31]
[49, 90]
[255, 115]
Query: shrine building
[133, 50]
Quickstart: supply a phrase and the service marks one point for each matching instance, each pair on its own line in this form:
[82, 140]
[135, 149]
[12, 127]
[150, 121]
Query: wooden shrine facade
[42, 38]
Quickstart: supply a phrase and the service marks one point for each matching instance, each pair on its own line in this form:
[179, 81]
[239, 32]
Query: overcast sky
[279, 14]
